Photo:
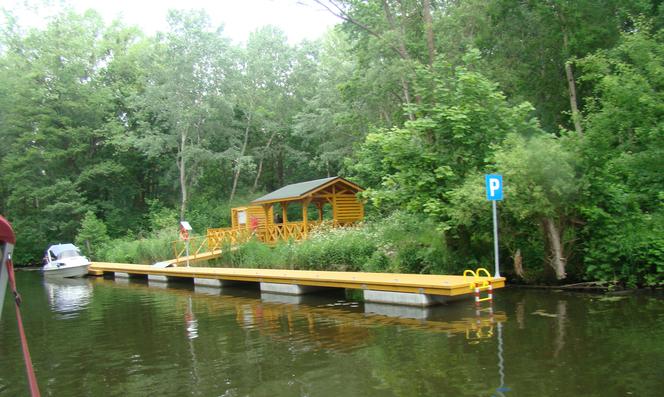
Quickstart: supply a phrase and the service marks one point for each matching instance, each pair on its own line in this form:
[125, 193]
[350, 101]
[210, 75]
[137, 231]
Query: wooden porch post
[305, 221]
[334, 206]
[284, 215]
[319, 204]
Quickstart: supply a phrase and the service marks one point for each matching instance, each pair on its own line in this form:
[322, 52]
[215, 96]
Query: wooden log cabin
[270, 224]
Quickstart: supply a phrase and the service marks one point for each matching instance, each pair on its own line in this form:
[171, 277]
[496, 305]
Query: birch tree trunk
[428, 27]
[242, 151]
[558, 259]
[401, 49]
[183, 174]
[569, 73]
[576, 116]
[260, 163]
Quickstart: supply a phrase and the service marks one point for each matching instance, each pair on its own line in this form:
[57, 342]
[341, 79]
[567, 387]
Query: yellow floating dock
[404, 284]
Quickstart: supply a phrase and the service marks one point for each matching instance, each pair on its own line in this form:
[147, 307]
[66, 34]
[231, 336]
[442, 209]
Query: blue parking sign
[494, 187]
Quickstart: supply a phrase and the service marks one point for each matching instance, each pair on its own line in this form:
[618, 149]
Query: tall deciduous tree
[623, 152]
[544, 187]
[530, 46]
[54, 124]
[189, 70]
[266, 70]
[414, 167]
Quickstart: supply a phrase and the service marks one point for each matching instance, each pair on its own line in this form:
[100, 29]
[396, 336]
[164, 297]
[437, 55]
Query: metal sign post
[494, 192]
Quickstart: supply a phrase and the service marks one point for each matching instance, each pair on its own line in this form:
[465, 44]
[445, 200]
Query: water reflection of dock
[326, 322]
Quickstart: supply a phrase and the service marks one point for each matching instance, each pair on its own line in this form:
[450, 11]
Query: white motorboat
[65, 260]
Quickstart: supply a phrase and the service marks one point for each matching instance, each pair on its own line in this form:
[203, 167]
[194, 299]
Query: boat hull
[67, 271]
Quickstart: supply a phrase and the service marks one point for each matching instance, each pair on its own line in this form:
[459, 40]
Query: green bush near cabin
[399, 243]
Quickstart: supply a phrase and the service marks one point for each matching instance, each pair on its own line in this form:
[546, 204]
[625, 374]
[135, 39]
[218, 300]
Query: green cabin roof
[297, 191]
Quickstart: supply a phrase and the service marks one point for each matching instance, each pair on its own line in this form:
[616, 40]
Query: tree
[530, 47]
[92, 236]
[266, 69]
[189, 71]
[623, 153]
[331, 121]
[543, 185]
[53, 125]
[414, 167]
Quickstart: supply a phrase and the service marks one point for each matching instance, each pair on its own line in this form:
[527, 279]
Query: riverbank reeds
[399, 243]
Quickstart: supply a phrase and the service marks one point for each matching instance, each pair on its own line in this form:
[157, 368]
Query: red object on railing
[8, 239]
[6, 232]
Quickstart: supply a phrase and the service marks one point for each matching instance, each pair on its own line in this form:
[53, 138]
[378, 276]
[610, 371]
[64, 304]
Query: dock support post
[213, 282]
[407, 298]
[152, 278]
[288, 289]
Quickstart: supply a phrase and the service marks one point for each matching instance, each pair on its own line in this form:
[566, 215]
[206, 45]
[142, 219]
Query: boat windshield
[69, 254]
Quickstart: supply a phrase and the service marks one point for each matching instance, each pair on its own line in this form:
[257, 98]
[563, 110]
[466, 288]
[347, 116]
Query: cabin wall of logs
[266, 218]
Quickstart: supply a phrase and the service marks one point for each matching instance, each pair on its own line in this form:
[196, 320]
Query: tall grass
[148, 250]
[399, 243]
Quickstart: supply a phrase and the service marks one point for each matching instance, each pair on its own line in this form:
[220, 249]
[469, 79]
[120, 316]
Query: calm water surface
[96, 337]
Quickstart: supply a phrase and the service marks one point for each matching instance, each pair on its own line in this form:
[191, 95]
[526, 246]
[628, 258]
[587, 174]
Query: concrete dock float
[392, 288]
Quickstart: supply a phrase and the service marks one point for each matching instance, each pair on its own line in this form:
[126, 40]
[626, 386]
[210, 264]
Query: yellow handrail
[478, 284]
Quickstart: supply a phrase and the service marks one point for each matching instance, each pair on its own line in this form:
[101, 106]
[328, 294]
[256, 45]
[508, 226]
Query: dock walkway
[425, 288]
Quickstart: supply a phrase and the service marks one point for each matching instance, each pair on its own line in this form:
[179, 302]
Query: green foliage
[399, 243]
[541, 177]
[624, 156]
[102, 118]
[625, 246]
[92, 237]
[414, 167]
[525, 44]
[155, 248]
[161, 218]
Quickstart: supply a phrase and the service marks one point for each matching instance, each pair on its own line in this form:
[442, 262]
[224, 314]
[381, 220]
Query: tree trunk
[554, 237]
[237, 164]
[428, 26]
[571, 85]
[183, 175]
[280, 168]
[401, 48]
[260, 163]
[576, 116]
[518, 264]
[336, 9]
[406, 95]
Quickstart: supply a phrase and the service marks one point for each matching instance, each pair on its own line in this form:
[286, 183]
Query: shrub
[155, 248]
[92, 236]
[400, 243]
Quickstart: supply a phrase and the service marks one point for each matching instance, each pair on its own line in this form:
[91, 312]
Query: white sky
[300, 19]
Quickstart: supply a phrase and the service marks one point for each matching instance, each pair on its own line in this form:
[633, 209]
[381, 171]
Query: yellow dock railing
[479, 283]
[216, 238]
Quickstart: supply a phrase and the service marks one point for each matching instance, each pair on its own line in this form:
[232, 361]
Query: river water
[96, 337]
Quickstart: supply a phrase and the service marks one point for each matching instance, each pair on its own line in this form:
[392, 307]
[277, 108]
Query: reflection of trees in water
[520, 314]
[313, 338]
[561, 319]
[336, 328]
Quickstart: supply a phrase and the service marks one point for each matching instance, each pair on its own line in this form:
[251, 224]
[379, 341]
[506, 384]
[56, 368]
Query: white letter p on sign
[494, 184]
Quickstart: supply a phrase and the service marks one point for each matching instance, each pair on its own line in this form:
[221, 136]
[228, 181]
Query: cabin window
[242, 217]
